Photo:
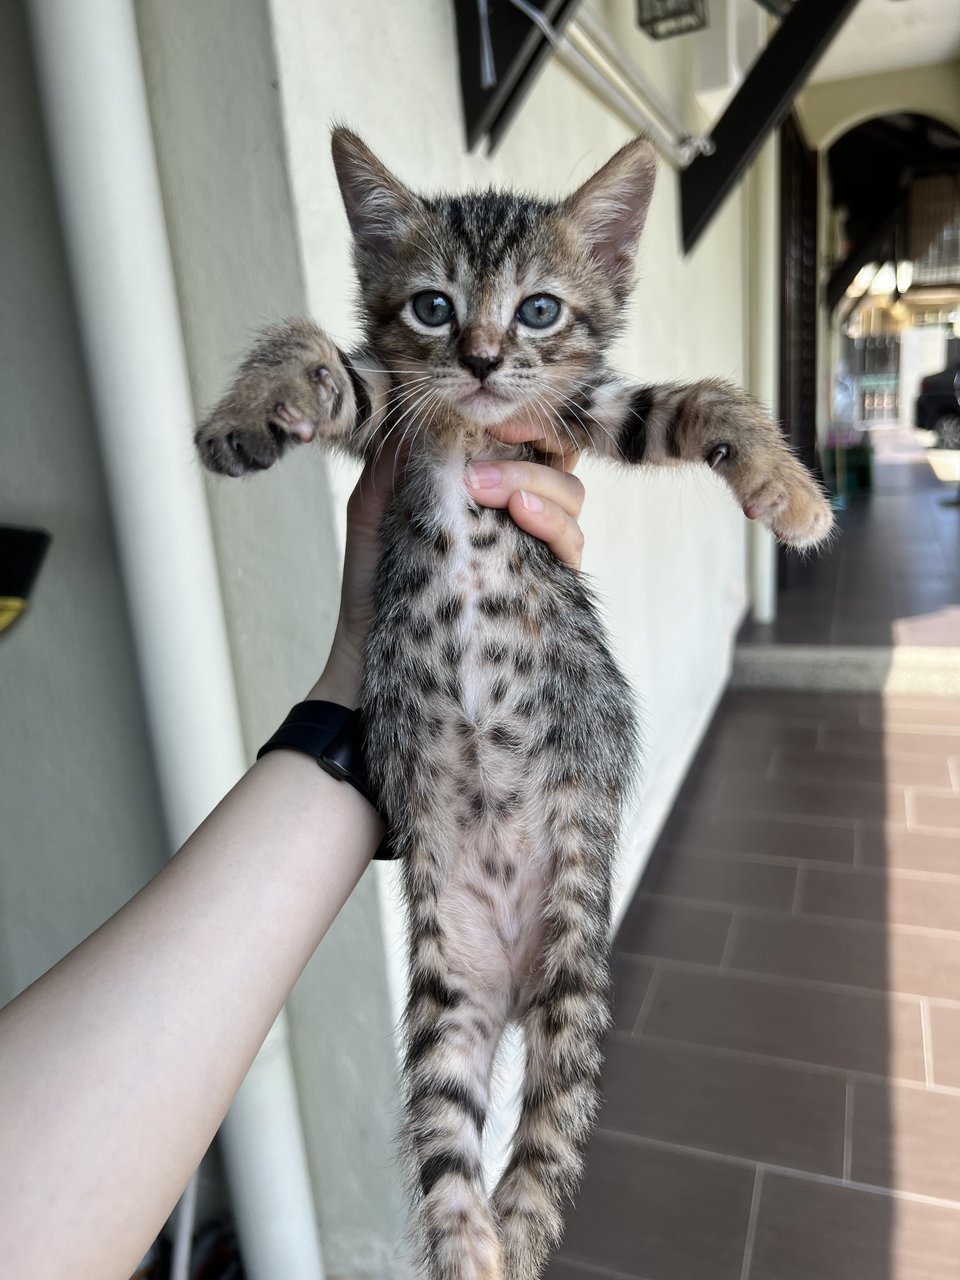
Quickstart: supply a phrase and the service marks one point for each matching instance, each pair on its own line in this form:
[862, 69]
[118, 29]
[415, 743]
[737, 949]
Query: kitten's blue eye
[539, 311]
[432, 308]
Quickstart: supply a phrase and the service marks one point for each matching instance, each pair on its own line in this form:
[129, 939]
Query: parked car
[938, 406]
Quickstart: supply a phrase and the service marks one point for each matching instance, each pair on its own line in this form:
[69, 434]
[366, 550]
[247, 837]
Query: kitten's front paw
[792, 505]
[290, 389]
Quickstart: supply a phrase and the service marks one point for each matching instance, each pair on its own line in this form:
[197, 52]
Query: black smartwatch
[333, 736]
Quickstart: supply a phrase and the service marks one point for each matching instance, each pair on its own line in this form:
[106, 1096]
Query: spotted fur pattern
[500, 734]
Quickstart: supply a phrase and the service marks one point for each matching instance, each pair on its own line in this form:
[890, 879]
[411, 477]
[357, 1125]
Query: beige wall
[666, 551]
[830, 108]
[81, 827]
[213, 89]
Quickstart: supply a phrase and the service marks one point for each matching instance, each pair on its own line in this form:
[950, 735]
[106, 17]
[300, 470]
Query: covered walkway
[892, 576]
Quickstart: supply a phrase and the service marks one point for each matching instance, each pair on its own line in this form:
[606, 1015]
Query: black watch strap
[333, 736]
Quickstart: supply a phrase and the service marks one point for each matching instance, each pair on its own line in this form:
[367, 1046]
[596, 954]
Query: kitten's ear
[378, 205]
[610, 208]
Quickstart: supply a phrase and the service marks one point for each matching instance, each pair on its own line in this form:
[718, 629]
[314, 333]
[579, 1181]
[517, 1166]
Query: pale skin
[119, 1064]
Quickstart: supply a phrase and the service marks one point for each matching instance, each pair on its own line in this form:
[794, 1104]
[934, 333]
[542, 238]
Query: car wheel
[947, 428]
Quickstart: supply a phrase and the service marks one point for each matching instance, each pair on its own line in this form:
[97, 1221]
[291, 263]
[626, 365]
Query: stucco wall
[81, 826]
[829, 108]
[667, 550]
[213, 89]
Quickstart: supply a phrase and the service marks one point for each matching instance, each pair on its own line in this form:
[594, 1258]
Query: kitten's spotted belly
[497, 721]
[495, 885]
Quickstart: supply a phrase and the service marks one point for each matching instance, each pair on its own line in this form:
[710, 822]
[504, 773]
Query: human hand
[543, 498]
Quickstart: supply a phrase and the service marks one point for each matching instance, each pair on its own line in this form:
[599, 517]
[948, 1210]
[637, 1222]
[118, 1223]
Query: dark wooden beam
[872, 246]
[519, 49]
[761, 104]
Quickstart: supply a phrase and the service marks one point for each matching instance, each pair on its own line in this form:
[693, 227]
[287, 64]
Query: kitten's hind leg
[564, 1026]
[294, 386]
[454, 1028]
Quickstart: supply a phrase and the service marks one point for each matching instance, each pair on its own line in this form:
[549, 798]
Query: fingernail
[483, 475]
[530, 501]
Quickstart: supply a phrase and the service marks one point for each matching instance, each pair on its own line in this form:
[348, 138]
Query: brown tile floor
[782, 1089]
[893, 574]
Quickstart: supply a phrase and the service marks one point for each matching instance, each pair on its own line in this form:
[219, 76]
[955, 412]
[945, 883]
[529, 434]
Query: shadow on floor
[783, 1084]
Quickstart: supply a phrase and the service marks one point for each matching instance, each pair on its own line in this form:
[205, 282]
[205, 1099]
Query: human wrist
[340, 679]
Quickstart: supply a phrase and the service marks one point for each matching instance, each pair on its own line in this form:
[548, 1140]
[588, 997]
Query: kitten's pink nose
[481, 366]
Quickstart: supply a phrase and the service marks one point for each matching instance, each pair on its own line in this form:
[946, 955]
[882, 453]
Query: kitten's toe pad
[794, 509]
[288, 418]
[227, 447]
[239, 436]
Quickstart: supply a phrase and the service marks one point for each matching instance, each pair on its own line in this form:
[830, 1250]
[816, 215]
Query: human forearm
[117, 1067]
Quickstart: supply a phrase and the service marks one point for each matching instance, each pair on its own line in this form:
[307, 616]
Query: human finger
[493, 483]
[549, 522]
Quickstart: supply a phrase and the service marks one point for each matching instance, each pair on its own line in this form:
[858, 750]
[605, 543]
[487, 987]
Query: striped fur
[500, 734]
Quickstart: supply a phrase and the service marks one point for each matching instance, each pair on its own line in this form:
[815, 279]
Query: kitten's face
[491, 303]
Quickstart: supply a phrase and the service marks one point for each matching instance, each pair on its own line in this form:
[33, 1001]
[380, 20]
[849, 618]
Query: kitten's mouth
[483, 394]
[486, 405]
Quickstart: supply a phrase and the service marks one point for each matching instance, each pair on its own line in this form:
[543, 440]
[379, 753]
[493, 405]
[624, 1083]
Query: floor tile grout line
[926, 1032]
[873, 786]
[756, 859]
[797, 1065]
[848, 1102]
[594, 1268]
[910, 809]
[646, 1004]
[803, 1175]
[730, 943]
[798, 888]
[814, 820]
[834, 820]
[805, 984]
[705, 854]
[912, 727]
[879, 758]
[752, 1221]
[765, 913]
[858, 846]
[953, 766]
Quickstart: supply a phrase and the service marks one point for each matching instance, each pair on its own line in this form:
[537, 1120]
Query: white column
[762, 204]
[98, 127]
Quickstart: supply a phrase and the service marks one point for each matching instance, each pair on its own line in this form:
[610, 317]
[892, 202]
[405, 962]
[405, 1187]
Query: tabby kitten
[500, 734]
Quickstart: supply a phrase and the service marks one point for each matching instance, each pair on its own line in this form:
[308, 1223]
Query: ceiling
[886, 35]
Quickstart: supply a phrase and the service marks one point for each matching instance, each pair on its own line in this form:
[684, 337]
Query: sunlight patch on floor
[945, 464]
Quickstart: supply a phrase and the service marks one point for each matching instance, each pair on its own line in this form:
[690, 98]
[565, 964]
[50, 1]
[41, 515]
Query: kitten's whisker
[396, 410]
[433, 238]
[551, 409]
[540, 404]
[413, 425]
[429, 241]
[397, 399]
[408, 413]
[578, 409]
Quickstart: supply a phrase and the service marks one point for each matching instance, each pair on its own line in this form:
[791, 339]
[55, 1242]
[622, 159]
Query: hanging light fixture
[663, 18]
